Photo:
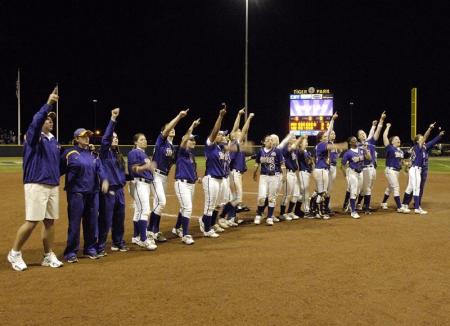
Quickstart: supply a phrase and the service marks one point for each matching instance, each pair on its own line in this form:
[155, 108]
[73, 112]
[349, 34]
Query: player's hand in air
[335, 116]
[242, 111]
[388, 125]
[251, 115]
[432, 125]
[383, 115]
[115, 114]
[374, 122]
[53, 97]
[442, 133]
[196, 122]
[183, 113]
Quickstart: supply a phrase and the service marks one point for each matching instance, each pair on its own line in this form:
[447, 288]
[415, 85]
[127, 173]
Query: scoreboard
[310, 111]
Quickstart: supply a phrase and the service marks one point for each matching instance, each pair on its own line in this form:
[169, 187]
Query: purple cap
[81, 132]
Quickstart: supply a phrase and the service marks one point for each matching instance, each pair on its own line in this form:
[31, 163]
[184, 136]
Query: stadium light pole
[246, 63]
[94, 102]
[351, 117]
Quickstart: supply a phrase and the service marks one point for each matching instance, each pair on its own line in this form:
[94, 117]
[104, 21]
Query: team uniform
[369, 173]
[112, 204]
[354, 157]
[304, 162]
[321, 177]
[84, 171]
[238, 167]
[142, 182]
[225, 201]
[291, 186]
[269, 179]
[423, 177]
[163, 156]
[394, 158]
[185, 178]
[213, 186]
[41, 156]
[414, 177]
[333, 155]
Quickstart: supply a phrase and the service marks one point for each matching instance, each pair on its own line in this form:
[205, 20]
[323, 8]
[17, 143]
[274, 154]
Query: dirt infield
[383, 269]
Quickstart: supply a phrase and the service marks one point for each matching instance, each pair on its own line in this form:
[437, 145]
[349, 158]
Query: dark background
[153, 58]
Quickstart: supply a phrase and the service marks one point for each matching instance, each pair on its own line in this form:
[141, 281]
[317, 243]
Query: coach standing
[41, 182]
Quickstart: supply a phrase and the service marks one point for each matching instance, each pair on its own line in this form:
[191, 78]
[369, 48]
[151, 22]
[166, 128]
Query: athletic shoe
[257, 220]
[293, 216]
[402, 210]
[384, 205]
[406, 209]
[367, 212]
[355, 215]
[187, 239]
[240, 221]
[148, 244]
[91, 256]
[211, 234]
[159, 237]
[285, 217]
[178, 232]
[420, 211]
[72, 259]
[275, 219]
[16, 261]
[102, 253]
[326, 216]
[223, 223]
[359, 207]
[217, 228]
[201, 225]
[135, 240]
[122, 248]
[50, 260]
[346, 207]
[231, 222]
[310, 215]
[269, 221]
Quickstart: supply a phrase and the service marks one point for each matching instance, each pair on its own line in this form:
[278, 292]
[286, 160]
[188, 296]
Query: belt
[161, 172]
[395, 169]
[417, 167]
[270, 173]
[143, 180]
[214, 177]
[289, 170]
[186, 181]
[333, 164]
[357, 171]
[368, 166]
[236, 170]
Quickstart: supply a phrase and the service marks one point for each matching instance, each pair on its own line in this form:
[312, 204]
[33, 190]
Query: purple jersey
[137, 156]
[394, 157]
[269, 160]
[41, 153]
[290, 158]
[163, 154]
[322, 160]
[372, 150]
[110, 158]
[238, 159]
[304, 159]
[417, 154]
[84, 171]
[186, 168]
[333, 154]
[215, 160]
[354, 158]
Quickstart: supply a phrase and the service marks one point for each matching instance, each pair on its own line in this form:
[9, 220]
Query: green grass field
[437, 164]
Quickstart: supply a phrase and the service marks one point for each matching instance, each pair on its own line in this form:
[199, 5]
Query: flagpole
[18, 105]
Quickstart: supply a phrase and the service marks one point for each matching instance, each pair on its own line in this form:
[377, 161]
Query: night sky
[153, 58]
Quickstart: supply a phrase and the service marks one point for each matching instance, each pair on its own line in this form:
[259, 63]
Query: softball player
[428, 147]
[41, 182]
[185, 178]
[141, 170]
[291, 186]
[83, 171]
[353, 160]
[163, 156]
[222, 224]
[112, 204]
[414, 176]
[332, 155]
[306, 163]
[369, 166]
[269, 158]
[394, 162]
[213, 180]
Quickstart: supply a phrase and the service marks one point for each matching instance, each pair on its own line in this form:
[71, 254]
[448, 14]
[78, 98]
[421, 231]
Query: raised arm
[429, 145]
[188, 133]
[246, 126]
[331, 126]
[237, 121]
[372, 129]
[34, 130]
[428, 132]
[173, 123]
[216, 128]
[339, 146]
[385, 134]
[107, 136]
[285, 140]
[376, 135]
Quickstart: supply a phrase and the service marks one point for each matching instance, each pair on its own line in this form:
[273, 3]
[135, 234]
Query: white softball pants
[185, 194]
[354, 183]
[236, 187]
[159, 192]
[369, 177]
[414, 177]
[393, 184]
[141, 196]
[226, 192]
[268, 187]
[321, 178]
[303, 180]
[213, 191]
[291, 188]
[331, 178]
